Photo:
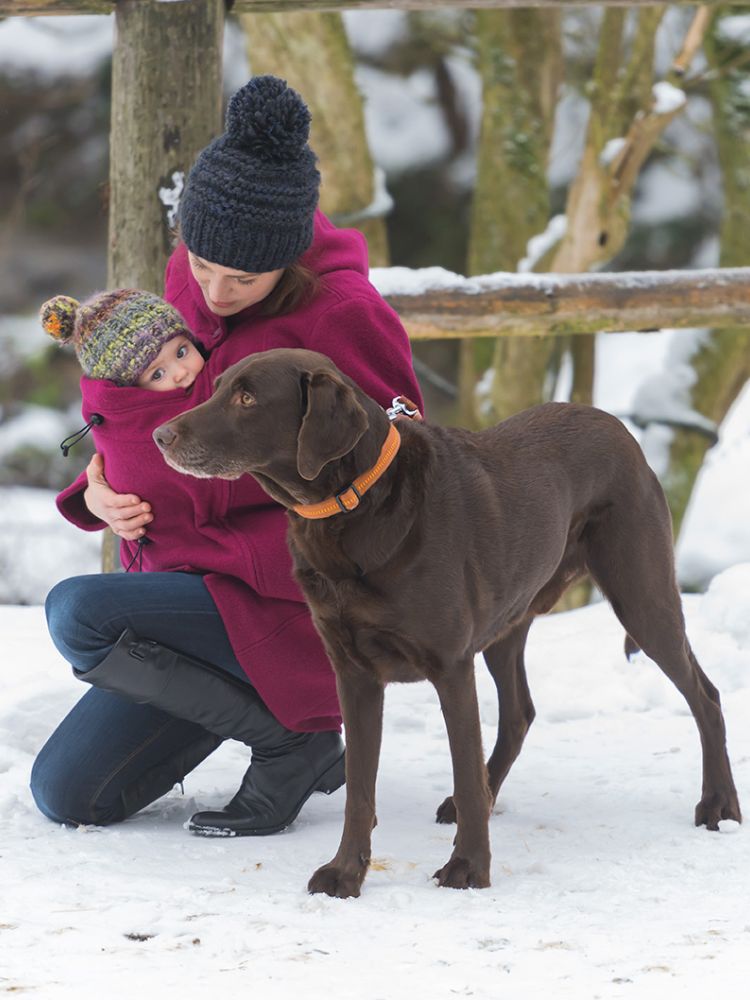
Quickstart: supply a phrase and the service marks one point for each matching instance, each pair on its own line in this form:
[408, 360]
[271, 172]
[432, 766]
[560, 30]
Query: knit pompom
[58, 316]
[268, 119]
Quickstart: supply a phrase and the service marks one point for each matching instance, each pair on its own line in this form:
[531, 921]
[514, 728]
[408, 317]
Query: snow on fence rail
[434, 303]
[35, 7]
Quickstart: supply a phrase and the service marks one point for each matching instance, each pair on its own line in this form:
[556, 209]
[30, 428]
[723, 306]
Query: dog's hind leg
[630, 556]
[505, 661]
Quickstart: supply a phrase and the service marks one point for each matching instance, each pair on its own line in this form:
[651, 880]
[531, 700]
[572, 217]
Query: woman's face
[228, 291]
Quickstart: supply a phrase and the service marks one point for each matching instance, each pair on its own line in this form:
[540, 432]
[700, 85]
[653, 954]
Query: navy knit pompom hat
[250, 198]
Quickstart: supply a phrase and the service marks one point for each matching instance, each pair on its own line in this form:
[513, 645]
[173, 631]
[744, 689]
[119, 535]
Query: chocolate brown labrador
[454, 549]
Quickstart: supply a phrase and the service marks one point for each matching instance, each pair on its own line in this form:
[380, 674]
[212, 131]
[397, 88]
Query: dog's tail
[631, 647]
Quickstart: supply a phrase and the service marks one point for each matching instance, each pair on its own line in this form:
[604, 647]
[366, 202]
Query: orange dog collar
[348, 500]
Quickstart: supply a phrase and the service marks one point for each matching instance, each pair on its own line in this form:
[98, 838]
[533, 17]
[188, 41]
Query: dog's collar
[348, 499]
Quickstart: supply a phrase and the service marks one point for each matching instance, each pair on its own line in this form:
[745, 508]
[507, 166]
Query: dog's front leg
[361, 699]
[469, 865]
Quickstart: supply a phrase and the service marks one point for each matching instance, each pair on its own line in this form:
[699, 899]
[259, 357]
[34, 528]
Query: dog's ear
[332, 424]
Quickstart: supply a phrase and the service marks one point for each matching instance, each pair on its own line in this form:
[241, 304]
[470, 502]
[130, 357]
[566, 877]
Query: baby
[130, 337]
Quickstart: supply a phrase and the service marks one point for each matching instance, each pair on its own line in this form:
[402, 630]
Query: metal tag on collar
[401, 405]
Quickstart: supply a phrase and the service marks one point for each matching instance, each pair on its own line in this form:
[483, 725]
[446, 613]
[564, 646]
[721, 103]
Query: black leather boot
[286, 768]
[276, 785]
[158, 780]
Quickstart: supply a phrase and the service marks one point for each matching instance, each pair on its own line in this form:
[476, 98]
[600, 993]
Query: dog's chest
[364, 627]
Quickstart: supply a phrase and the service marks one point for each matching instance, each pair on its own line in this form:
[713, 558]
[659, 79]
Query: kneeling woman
[212, 640]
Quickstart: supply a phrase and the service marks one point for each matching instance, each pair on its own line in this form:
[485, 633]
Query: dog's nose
[164, 436]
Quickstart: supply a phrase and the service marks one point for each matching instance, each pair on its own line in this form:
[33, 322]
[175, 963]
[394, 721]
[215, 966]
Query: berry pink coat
[232, 532]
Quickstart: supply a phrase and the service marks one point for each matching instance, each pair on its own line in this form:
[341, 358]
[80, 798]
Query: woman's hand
[125, 514]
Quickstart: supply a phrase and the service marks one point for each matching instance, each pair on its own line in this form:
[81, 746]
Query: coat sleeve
[364, 337]
[71, 505]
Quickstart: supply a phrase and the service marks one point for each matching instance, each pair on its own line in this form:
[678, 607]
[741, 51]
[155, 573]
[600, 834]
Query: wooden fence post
[166, 106]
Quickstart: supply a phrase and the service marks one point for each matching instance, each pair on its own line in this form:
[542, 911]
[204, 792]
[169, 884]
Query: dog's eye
[247, 398]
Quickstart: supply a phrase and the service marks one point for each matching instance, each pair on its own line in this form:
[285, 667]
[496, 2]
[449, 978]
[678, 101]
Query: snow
[381, 204]
[601, 886]
[665, 397]
[38, 548]
[667, 98]
[19, 340]
[38, 425]
[539, 245]
[403, 120]
[55, 46]
[170, 196]
[373, 33]
[612, 150]
[568, 137]
[416, 281]
[734, 28]
[667, 190]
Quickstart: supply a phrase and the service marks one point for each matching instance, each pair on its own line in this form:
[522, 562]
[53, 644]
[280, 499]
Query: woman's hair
[297, 286]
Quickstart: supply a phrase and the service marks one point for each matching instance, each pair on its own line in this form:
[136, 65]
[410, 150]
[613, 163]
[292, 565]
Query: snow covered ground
[601, 886]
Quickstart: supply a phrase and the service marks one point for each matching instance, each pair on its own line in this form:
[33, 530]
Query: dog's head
[281, 415]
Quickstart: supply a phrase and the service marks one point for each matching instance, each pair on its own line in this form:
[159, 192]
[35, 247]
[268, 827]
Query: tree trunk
[521, 67]
[722, 362]
[166, 106]
[312, 53]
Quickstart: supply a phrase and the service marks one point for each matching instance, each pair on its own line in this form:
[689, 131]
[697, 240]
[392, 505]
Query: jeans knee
[77, 610]
[61, 798]
[62, 609]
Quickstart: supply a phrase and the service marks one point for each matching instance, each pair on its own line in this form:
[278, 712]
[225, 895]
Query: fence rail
[31, 8]
[531, 305]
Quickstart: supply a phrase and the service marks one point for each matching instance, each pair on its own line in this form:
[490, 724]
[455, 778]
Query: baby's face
[176, 366]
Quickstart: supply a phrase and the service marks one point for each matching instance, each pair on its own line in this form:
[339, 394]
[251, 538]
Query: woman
[213, 640]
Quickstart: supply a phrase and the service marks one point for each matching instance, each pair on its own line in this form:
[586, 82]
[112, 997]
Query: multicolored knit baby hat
[116, 334]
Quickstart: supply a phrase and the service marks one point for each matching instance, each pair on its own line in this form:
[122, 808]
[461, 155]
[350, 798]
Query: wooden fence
[34, 7]
[166, 105]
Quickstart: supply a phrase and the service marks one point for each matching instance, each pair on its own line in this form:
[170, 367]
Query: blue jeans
[110, 757]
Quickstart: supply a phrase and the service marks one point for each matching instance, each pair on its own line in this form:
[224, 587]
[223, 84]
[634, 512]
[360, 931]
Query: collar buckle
[353, 496]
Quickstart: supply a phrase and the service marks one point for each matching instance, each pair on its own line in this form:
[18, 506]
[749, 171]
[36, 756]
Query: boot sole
[328, 782]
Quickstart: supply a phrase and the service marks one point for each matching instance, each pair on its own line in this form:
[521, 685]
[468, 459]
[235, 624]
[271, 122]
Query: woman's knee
[77, 612]
[65, 604]
[64, 796]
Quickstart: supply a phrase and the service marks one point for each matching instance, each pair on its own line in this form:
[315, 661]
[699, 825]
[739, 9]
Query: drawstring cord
[138, 557]
[71, 439]
[66, 445]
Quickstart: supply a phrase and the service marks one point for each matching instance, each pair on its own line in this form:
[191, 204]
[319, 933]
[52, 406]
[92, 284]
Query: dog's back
[508, 516]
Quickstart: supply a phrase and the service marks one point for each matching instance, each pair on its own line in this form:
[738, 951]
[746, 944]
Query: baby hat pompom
[268, 119]
[58, 316]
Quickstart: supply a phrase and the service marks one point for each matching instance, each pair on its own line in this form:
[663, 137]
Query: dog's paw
[715, 807]
[446, 811]
[460, 873]
[334, 881]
